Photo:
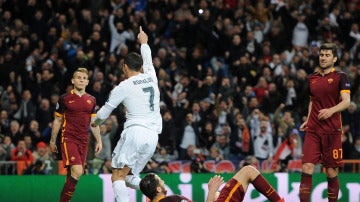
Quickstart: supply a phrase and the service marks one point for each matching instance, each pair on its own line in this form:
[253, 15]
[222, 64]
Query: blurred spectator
[42, 154]
[283, 119]
[119, 32]
[155, 167]
[98, 92]
[47, 83]
[207, 135]
[263, 144]
[168, 135]
[347, 142]
[198, 118]
[21, 153]
[15, 132]
[260, 88]
[106, 167]
[192, 152]
[27, 110]
[4, 122]
[291, 97]
[300, 32]
[223, 112]
[355, 153]
[188, 135]
[71, 46]
[108, 130]
[29, 143]
[44, 114]
[240, 140]
[37, 168]
[215, 155]
[197, 166]
[3, 151]
[34, 132]
[6, 146]
[162, 155]
[254, 122]
[351, 118]
[271, 100]
[222, 144]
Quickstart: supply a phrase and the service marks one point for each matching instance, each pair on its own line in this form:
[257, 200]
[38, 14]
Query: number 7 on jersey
[151, 98]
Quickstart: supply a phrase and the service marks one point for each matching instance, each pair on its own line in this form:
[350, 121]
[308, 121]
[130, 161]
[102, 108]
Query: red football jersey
[325, 93]
[76, 112]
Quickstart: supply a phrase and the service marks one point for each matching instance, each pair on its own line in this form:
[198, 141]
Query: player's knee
[246, 173]
[76, 173]
[118, 176]
[331, 172]
[250, 169]
[308, 168]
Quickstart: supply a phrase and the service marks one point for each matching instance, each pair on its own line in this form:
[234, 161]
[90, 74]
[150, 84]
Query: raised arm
[146, 53]
[111, 24]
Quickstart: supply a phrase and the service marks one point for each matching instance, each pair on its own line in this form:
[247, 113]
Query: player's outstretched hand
[142, 36]
[213, 186]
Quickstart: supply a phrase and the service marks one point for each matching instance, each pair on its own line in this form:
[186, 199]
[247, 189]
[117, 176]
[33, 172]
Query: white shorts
[135, 148]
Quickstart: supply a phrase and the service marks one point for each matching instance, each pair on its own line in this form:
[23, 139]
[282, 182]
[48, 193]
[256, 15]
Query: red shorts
[73, 153]
[323, 148]
[232, 192]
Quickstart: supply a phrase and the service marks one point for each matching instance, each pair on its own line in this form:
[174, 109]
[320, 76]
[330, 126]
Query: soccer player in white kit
[140, 95]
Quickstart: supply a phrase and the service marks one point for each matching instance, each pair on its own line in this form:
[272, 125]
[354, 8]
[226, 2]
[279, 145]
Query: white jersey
[140, 95]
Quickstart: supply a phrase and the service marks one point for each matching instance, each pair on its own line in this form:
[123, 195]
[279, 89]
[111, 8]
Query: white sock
[133, 181]
[120, 191]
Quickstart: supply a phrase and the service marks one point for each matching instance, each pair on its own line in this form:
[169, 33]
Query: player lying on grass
[153, 187]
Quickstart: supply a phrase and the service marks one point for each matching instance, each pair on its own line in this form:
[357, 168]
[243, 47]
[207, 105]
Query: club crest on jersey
[347, 85]
[88, 101]
[330, 80]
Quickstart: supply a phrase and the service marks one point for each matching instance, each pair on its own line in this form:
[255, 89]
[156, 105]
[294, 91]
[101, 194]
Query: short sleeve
[344, 84]
[60, 107]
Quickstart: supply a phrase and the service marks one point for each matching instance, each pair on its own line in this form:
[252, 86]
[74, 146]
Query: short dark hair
[134, 61]
[148, 185]
[330, 46]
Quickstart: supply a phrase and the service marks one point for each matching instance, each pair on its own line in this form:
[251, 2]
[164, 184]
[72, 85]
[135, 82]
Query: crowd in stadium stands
[231, 72]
